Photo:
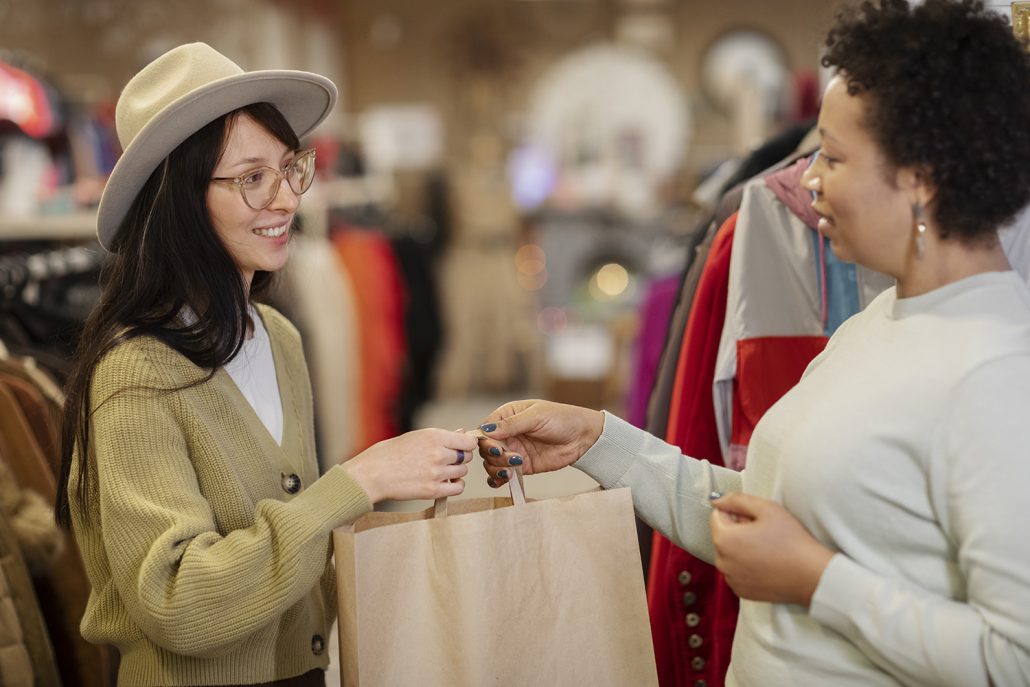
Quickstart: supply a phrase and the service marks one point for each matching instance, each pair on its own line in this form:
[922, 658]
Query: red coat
[693, 612]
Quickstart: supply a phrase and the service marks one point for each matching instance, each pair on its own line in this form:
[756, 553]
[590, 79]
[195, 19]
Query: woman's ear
[917, 181]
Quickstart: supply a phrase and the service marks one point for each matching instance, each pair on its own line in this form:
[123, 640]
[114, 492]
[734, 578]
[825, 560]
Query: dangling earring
[917, 210]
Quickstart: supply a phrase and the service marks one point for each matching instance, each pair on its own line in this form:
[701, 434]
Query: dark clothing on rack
[45, 296]
[423, 326]
[771, 152]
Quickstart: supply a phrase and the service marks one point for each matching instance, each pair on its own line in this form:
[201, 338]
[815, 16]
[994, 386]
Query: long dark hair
[167, 257]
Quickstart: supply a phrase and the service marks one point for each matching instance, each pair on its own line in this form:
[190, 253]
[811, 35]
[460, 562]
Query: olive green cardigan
[205, 570]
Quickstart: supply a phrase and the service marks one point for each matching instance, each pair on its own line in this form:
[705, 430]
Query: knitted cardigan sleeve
[188, 586]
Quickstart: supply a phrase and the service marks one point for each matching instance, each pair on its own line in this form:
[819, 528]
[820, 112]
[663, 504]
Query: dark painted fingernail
[515, 460]
[503, 474]
[491, 482]
[488, 427]
[494, 451]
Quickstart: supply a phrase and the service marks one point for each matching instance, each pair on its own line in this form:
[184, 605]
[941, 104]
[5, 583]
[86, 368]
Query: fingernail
[488, 427]
[491, 482]
[515, 460]
[715, 495]
[494, 451]
[503, 474]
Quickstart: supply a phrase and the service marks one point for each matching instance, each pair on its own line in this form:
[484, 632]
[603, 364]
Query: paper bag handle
[517, 488]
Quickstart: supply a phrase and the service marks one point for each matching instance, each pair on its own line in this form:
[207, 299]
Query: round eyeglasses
[259, 186]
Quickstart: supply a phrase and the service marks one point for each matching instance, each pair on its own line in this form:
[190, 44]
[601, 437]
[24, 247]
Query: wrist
[596, 427]
[593, 428]
[819, 560]
[358, 469]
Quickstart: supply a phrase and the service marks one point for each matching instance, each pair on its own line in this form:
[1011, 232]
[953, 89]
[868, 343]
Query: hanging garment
[661, 388]
[38, 415]
[64, 592]
[777, 289]
[772, 154]
[783, 311]
[28, 545]
[729, 204]
[648, 347]
[27, 368]
[47, 296]
[16, 664]
[315, 293]
[671, 567]
[423, 326]
[693, 612]
[661, 393]
[379, 296]
[31, 518]
[21, 449]
[656, 310]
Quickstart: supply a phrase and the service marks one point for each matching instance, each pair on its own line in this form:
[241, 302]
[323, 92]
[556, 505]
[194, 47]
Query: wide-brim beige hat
[179, 93]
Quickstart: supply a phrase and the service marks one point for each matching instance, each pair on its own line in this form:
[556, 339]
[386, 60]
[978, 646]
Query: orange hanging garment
[379, 299]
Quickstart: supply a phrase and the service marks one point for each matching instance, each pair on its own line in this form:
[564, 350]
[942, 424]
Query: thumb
[740, 504]
[503, 428]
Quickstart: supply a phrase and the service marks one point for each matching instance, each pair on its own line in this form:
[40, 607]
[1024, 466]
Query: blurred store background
[545, 157]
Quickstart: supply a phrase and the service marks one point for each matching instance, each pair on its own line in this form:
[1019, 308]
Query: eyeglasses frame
[280, 175]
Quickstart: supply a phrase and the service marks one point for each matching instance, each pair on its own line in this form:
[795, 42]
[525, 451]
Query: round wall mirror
[743, 59]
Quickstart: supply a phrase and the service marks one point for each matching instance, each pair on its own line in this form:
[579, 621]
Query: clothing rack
[350, 194]
[21, 273]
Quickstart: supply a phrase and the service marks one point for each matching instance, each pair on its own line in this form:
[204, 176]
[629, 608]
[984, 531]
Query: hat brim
[303, 98]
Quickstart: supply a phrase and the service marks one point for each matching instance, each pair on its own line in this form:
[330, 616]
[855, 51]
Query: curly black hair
[949, 88]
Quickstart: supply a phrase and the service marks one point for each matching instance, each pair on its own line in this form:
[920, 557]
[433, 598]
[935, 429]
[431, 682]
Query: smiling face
[256, 239]
[865, 205]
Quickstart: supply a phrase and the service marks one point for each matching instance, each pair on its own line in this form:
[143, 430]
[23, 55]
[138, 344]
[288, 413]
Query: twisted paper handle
[515, 485]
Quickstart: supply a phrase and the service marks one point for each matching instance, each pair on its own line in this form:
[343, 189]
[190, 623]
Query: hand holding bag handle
[518, 492]
[518, 495]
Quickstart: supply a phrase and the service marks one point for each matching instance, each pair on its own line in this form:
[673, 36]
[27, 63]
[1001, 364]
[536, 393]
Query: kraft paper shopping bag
[547, 592]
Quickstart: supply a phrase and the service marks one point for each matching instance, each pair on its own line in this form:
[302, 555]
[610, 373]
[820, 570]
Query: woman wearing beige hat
[188, 465]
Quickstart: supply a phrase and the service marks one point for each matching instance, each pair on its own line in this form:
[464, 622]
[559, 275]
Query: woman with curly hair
[872, 537]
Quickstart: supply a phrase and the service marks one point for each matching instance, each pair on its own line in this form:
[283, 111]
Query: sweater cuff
[334, 499]
[839, 596]
[614, 452]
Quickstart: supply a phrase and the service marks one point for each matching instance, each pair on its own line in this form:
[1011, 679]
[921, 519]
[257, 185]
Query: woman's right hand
[423, 464]
[541, 436]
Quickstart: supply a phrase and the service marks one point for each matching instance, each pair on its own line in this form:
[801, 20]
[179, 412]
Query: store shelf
[78, 225]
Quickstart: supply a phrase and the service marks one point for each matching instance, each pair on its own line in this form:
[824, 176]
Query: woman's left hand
[764, 552]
